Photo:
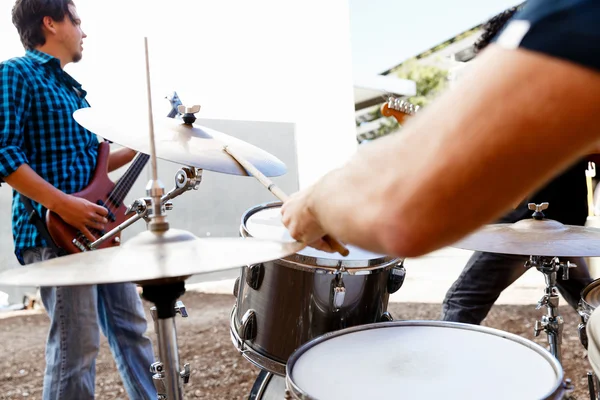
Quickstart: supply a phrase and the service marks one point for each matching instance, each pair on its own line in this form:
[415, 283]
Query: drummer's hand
[301, 221]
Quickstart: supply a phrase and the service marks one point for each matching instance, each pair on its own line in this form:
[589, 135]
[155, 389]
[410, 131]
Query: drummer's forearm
[465, 159]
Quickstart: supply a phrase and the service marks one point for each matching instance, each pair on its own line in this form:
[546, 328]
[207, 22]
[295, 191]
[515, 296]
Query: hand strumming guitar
[82, 214]
[78, 212]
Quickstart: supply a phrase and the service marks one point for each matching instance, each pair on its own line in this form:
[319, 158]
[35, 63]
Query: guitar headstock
[399, 109]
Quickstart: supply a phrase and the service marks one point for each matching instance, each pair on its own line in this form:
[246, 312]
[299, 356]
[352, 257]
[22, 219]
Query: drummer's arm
[466, 158]
[119, 158]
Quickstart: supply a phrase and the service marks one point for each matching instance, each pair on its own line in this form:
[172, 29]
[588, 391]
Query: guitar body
[98, 190]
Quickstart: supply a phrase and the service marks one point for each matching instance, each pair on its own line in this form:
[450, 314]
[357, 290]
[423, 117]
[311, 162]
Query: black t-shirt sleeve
[567, 29]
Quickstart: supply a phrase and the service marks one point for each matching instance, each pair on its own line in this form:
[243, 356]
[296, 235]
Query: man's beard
[77, 57]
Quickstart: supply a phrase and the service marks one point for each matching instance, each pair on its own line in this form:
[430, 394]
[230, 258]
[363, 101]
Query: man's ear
[49, 24]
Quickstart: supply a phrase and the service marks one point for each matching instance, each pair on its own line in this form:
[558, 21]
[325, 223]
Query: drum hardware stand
[164, 293]
[187, 178]
[167, 376]
[552, 322]
[593, 383]
[157, 370]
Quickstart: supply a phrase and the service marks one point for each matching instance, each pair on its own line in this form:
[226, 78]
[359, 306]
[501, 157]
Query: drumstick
[280, 194]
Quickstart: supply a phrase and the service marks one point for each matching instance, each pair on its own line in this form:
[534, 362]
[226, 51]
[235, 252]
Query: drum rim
[297, 391]
[586, 290]
[323, 265]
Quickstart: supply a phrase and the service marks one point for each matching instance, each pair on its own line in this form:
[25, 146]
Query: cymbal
[531, 237]
[149, 257]
[185, 144]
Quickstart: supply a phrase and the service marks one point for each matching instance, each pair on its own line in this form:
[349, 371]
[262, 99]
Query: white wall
[271, 60]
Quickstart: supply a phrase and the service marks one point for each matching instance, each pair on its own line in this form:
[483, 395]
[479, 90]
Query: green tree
[430, 81]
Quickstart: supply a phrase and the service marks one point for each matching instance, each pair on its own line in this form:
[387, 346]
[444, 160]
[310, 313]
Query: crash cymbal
[185, 144]
[150, 257]
[531, 237]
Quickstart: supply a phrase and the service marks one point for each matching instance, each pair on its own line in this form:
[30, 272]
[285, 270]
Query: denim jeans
[76, 315]
[486, 275]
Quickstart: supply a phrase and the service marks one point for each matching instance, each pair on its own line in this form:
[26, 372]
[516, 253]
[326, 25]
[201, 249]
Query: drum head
[423, 360]
[264, 222]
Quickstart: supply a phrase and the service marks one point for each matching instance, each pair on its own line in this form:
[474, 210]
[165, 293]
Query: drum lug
[254, 275]
[396, 278]
[236, 286]
[386, 317]
[247, 329]
[338, 292]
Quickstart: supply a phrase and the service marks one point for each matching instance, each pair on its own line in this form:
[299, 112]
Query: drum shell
[293, 306]
[291, 300]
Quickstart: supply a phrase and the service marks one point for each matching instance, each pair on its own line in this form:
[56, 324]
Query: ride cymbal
[185, 144]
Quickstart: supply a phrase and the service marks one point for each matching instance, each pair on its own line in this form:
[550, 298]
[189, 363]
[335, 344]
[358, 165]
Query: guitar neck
[125, 183]
[399, 109]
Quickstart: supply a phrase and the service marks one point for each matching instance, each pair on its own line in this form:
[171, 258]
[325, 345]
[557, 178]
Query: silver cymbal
[531, 237]
[185, 144]
[149, 257]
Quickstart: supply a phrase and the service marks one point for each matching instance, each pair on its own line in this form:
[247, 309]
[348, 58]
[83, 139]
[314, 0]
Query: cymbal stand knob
[565, 267]
[169, 205]
[180, 308]
[538, 328]
[188, 113]
[185, 373]
[158, 379]
[538, 210]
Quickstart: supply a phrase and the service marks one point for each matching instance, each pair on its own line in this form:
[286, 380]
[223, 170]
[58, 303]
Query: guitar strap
[40, 225]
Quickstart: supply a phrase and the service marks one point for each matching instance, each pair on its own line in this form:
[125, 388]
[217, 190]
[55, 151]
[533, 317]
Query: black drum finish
[293, 306]
[284, 303]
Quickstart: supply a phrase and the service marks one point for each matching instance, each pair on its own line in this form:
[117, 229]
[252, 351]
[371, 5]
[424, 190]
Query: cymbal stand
[552, 322]
[157, 367]
[167, 376]
[187, 178]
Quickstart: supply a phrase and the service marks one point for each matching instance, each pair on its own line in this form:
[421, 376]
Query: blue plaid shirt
[37, 128]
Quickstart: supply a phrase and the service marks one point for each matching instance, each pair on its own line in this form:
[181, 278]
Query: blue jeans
[486, 275]
[76, 315]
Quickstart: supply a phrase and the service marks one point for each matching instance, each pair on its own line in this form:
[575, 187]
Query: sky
[264, 60]
[386, 32]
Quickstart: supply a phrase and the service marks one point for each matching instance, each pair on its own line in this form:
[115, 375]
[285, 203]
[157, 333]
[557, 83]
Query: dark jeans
[486, 275]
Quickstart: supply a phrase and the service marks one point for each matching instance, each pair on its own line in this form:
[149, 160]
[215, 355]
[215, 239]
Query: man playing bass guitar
[46, 156]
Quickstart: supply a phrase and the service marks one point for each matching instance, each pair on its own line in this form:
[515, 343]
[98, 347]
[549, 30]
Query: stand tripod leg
[164, 297]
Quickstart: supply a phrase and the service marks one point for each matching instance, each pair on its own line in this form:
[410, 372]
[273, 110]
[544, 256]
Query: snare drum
[284, 303]
[590, 300]
[423, 360]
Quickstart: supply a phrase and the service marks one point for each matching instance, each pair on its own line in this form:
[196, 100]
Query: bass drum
[268, 387]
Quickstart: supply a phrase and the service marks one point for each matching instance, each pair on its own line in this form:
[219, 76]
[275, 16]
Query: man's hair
[27, 16]
[493, 26]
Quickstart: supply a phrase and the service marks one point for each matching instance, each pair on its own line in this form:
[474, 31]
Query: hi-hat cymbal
[531, 237]
[185, 144]
[150, 257]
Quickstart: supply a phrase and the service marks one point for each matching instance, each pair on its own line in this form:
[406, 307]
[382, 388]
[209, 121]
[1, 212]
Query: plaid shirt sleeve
[14, 95]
